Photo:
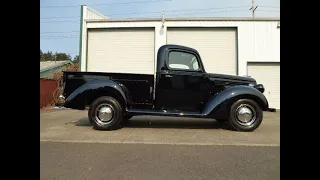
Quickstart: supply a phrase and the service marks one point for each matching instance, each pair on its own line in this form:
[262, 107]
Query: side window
[182, 60]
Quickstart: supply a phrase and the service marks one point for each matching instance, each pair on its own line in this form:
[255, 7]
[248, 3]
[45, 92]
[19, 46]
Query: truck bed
[140, 86]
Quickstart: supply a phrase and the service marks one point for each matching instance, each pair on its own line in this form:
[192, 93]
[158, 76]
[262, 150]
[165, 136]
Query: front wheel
[245, 115]
[105, 113]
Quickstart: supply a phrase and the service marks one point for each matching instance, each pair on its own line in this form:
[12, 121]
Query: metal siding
[267, 74]
[94, 15]
[123, 50]
[217, 46]
[50, 73]
[265, 41]
[277, 44]
[193, 19]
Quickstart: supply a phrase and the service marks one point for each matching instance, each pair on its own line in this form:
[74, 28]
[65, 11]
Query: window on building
[183, 60]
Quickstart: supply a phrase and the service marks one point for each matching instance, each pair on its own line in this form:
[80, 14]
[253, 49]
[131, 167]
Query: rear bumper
[61, 101]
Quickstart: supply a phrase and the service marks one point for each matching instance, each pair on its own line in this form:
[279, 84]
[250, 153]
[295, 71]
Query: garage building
[238, 46]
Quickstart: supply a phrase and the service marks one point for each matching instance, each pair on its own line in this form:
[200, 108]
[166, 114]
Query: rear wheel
[105, 113]
[245, 115]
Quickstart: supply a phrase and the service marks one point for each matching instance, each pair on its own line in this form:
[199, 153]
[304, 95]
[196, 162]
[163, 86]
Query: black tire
[253, 122]
[110, 104]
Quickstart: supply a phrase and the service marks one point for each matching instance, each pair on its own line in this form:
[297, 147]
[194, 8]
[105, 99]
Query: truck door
[181, 84]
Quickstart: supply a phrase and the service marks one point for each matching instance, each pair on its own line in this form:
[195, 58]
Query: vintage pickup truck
[180, 87]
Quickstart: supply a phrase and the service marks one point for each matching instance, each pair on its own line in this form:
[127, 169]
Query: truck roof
[162, 50]
[166, 46]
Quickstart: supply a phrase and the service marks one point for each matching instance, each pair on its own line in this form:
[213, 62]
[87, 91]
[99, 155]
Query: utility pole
[253, 8]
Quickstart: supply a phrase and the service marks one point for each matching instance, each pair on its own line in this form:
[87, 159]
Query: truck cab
[180, 87]
[181, 79]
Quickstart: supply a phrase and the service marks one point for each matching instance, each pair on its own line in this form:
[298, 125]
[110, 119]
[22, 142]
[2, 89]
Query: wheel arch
[106, 91]
[219, 105]
[87, 93]
[255, 98]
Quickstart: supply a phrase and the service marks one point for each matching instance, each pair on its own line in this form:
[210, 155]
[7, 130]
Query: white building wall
[93, 14]
[86, 14]
[258, 41]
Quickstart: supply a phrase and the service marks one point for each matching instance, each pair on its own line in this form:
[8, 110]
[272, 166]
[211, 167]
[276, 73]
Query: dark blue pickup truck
[180, 87]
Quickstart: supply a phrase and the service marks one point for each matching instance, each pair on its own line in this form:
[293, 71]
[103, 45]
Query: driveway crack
[127, 136]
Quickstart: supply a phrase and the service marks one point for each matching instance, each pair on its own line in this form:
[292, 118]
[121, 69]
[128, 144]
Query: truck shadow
[166, 123]
[82, 122]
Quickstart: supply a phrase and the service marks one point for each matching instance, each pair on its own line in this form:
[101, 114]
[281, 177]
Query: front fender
[219, 104]
[77, 98]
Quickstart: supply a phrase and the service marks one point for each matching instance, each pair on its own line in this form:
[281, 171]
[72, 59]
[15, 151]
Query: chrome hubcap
[245, 115]
[104, 113]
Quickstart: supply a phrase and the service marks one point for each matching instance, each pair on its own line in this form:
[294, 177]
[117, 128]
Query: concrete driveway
[73, 126]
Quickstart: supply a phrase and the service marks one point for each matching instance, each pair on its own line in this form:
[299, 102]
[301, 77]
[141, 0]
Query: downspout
[80, 43]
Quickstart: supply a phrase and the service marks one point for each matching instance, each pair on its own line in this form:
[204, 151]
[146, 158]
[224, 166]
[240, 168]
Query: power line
[208, 12]
[270, 6]
[157, 16]
[75, 36]
[153, 12]
[58, 21]
[59, 38]
[268, 11]
[167, 11]
[108, 4]
[61, 17]
[175, 11]
[53, 52]
[58, 32]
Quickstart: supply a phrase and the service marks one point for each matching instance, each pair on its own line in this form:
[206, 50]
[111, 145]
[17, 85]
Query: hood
[232, 78]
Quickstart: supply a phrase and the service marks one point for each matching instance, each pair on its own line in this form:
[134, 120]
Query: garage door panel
[217, 46]
[268, 74]
[123, 50]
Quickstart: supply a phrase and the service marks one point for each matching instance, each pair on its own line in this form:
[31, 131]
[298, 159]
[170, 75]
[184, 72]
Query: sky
[60, 19]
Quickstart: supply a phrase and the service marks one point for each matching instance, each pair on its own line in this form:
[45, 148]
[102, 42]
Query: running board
[163, 113]
[272, 110]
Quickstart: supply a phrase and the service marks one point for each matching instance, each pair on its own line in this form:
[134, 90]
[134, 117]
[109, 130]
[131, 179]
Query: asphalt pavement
[152, 148]
[74, 126]
[59, 160]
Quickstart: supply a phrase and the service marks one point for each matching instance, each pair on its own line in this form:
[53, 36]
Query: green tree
[76, 59]
[62, 56]
[48, 56]
[41, 55]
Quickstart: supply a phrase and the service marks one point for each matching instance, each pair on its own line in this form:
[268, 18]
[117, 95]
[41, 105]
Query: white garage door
[267, 74]
[217, 46]
[124, 50]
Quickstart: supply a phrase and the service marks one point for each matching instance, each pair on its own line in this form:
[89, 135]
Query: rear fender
[218, 106]
[78, 98]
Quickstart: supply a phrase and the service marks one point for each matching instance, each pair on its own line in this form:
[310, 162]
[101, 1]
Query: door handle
[168, 76]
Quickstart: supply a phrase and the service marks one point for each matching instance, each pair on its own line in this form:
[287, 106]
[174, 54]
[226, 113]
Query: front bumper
[259, 87]
[272, 110]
